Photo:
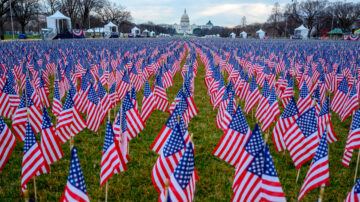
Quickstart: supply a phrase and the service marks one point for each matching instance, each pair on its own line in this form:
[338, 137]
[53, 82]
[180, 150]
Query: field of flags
[179, 120]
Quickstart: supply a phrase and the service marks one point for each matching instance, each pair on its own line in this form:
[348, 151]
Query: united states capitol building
[185, 27]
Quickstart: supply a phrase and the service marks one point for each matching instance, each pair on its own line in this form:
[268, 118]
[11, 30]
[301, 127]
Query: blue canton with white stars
[255, 142]
[147, 89]
[76, 177]
[290, 109]
[253, 84]
[356, 121]
[325, 108]
[175, 143]
[2, 124]
[92, 96]
[238, 122]
[101, 90]
[343, 87]
[30, 138]
[304, 91]
[322, 150]
[184, 170]
[272, 98]
[46, 121]
[109, 136]
[257, 164]
[265, 90]
[269, 168]
[307, 122]
[69, 103]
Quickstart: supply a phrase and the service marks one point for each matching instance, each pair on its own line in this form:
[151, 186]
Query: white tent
[260, 33]
[146, 33]
[57, 24]
[110, 28]
[135, 31]
[301, 32]
[243, 35]
[152, 34]
[232, 35]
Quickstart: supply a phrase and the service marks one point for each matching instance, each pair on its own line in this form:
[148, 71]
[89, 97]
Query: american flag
[133, 98]
[230, 146]
[182, 181]
[288, 93]
[43, 92]
[70, 121]
[252, 147]
[57, 105]
[226, 99]
[5, 106]
[81, 98]
[301, 138]
[148, 103]
[14, 98]
[286, 119]
[253, 96]
[112, 161]
[33, 162]
[228, 113]
[20, 117]
[354, 194]
[168, 159]
[324, 121]
[32, 93]
[7, 143]
[124, 85]
[259, 182]
[318, 174]
[191, 110]
[113, 95]
[131, 120]
[95, 112]
[49, 141]
[351, 103]
[304, 101]
[121, 136]
[160, 95]
[338, 101]
[261, 108]
[353, 139]
[220, 93]
[272, 112]
[75, 189]
[170, 126]
[104, 99]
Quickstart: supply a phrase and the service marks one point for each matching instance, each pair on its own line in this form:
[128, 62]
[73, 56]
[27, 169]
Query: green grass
[216, 176]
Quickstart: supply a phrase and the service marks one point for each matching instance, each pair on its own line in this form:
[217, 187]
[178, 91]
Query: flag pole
[106, 184]
[298, 174]
[357, 166]
[166, 189]
[322, 190]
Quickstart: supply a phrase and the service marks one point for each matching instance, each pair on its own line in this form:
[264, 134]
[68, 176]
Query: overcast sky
[220, 12]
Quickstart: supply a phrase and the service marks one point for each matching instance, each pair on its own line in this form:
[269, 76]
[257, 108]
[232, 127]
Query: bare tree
[310, 11]
[25, 11]
[4, 10]
[243, 21]
[346, 13]
[87, 6]
[71, 8]
[275, 19]
[115, 13]
[53, 6]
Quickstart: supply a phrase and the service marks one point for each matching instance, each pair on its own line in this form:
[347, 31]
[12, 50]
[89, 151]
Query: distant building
[185, 27]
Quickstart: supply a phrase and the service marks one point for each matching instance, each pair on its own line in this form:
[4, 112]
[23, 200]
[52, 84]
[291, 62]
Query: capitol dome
[185, 18]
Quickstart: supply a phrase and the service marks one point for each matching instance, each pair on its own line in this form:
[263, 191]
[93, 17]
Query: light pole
[12, 24]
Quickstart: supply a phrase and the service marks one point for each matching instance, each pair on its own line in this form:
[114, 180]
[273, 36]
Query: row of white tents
[58, 23]
[301, 32]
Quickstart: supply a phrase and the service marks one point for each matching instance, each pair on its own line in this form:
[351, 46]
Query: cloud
[254, 12]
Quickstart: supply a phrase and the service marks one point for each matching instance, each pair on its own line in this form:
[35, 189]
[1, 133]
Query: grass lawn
[135, 184]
